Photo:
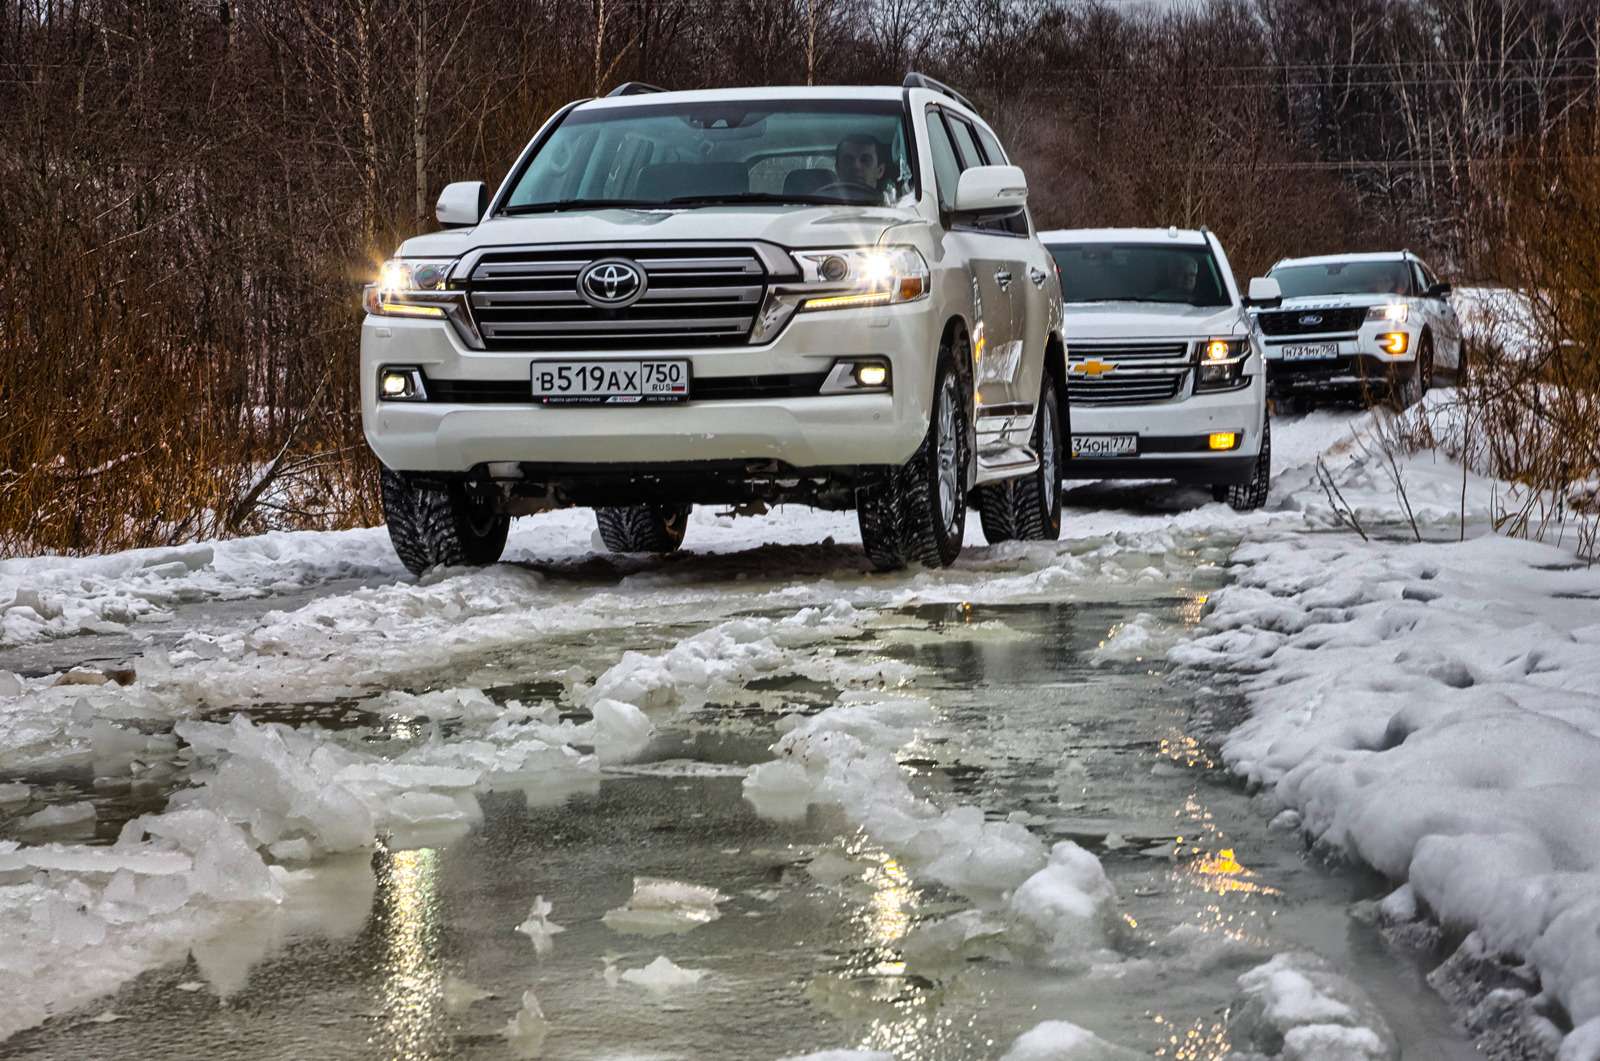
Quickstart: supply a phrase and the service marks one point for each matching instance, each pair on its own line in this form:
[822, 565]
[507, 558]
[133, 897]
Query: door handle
[1037, 275]
[1003, 278]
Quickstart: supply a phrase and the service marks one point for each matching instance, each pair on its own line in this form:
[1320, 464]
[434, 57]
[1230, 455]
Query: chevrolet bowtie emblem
[1092, 368]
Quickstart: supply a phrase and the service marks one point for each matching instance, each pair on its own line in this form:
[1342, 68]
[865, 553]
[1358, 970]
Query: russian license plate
[1311, 352]
[1105, 446]
[610, 382]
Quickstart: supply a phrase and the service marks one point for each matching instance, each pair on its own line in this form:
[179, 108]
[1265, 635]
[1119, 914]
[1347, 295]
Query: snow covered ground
[1429, 709]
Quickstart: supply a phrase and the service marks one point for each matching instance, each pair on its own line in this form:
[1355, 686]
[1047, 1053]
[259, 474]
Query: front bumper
[1358, 369]
[480, 417]
[1173, 437]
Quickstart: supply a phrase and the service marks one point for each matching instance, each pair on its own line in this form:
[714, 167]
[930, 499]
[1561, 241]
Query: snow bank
[1432, 710]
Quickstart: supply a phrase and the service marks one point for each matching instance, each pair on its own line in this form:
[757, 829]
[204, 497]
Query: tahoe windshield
[702, 154]
[1139, 272]
[1343, 278]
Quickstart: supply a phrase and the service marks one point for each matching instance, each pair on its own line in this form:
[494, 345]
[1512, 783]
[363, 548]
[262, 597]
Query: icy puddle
[651, 910]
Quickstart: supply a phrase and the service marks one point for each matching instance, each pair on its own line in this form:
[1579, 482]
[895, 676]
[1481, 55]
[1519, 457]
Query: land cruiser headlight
[1396, 312]
[853, 277]
[1220, 364]
[410, 287]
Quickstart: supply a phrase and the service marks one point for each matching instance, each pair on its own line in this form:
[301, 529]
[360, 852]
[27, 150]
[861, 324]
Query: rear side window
[966, 142]
[991, 147]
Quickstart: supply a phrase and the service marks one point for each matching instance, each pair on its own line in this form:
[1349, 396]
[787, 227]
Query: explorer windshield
[1139, 272]
[1344, 278]
[699, 154]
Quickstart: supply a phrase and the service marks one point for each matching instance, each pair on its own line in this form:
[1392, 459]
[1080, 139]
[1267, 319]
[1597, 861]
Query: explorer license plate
[1311, 352]
[610, 382]
[1105, 446]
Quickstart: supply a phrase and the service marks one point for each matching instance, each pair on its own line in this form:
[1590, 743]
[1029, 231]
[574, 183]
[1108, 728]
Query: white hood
[1150, 320]
[787, 226]
[1342, 301]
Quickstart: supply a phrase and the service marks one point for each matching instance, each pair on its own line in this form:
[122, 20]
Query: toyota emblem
[611, 283]
[1311, 319]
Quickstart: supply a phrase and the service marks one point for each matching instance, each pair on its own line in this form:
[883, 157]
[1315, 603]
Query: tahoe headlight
[852, 277]
[1220, 364]
[1396, 312]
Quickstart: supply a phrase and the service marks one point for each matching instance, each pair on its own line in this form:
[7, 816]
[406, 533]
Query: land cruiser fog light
[1394, 343]
[401, 385]
[872, 375]
[1224, 440]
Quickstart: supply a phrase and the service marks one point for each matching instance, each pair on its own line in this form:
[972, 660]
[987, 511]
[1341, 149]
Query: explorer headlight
[410, 287]
[1396, 312]
[863, 276]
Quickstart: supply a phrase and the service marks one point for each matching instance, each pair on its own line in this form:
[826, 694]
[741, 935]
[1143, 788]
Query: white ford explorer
[1358, 326]
[832, 296]
[1165, 369]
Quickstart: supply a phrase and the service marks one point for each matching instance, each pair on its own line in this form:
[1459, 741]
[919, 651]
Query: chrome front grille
[695, 295]
[1126, 373]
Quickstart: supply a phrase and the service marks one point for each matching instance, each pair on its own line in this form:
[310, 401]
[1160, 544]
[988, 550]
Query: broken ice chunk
[663, 975]
[659, 907]
[780, 790]
[527, 1028]
[1059, 1040]
[539, 928]
[621, 730]
[459, 994]
[73, 818]
[10, 684]
[11, 795]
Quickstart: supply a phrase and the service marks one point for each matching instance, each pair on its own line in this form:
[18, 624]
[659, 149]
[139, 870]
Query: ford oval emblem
[1311, 318]
[611, 283]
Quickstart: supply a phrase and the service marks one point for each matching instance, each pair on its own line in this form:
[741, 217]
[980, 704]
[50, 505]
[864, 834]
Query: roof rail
[916, 80]
[633, 88]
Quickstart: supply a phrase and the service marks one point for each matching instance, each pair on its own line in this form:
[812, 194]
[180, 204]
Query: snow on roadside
[1432, 710]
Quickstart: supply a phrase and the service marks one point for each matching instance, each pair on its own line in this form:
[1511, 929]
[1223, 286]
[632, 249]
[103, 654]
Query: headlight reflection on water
[412, 976]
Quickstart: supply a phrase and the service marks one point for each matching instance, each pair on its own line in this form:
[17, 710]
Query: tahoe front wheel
[919, 510]
[1029, 508]
[432, 528]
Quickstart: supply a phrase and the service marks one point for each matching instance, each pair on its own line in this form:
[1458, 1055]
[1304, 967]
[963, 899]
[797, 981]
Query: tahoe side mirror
[1264, 293]
[990, 188]
[462, 203]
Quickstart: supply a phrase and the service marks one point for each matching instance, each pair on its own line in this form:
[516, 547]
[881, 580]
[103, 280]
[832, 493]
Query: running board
[1004, 432]
[1006, 463]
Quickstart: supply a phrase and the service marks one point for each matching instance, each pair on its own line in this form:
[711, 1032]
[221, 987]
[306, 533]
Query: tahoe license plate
[1311, 352]
[1105, 446]
[610, 382]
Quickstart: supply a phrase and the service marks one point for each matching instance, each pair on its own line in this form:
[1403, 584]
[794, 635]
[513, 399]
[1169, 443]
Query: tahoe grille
[528, 299]
[1313, 321]
[1145, 372]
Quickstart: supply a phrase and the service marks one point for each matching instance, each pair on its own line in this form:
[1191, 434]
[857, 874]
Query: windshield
[1343, 278]
[687, 154]
[1139, 272]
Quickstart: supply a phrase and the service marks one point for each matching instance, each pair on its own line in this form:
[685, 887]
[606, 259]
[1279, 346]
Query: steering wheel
[849, 188]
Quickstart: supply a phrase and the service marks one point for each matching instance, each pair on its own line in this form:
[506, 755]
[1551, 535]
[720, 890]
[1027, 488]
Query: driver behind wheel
[861, 161]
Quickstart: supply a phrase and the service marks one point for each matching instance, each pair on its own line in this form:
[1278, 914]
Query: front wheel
[643, 528]
[1252, 494]
[1029, 508]
[919, 511]
[433, 528]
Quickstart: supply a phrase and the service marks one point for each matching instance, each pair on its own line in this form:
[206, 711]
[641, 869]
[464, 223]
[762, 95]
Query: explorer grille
[1141, 372]
[1313, 321]
[527, 299]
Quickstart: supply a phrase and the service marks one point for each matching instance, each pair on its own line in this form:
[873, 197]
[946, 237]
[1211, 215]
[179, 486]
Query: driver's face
[1186, 275]
[856, 163]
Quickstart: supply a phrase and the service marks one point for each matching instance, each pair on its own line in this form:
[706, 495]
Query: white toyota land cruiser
[1165, 369]
[832, 296]
[1362, 326]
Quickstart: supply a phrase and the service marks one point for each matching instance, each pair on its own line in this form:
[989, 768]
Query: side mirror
[990, 188]
[462, 203]
[1265, 293]
[1440, 290]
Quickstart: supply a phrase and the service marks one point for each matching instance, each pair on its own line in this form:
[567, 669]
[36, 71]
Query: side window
[1010, 223]
[946, 167]
[991, 147]
[966, 142]
[1418, 282]
[1429, 281]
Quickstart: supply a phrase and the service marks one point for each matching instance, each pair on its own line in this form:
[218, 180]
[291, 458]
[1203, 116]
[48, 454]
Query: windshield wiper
[580, 204]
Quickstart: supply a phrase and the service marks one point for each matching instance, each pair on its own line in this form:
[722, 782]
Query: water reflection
[1200, 1041]
[412, 974]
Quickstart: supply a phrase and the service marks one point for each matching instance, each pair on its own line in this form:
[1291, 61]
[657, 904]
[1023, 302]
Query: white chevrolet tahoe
[1164, 366]
[1358, 326]
[832, 296]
